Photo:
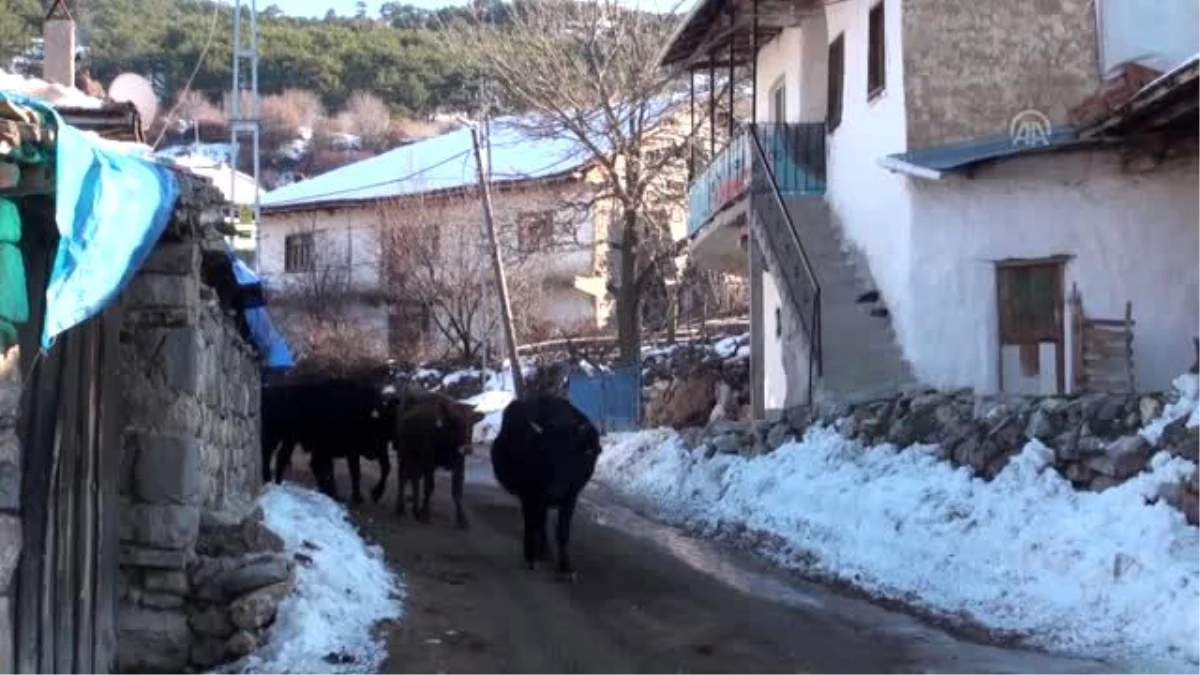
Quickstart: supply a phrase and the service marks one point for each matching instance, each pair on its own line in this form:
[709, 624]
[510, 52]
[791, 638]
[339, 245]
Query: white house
[344, 223]
[939, 208]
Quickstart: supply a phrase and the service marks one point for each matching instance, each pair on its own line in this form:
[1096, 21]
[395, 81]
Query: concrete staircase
[861, 356]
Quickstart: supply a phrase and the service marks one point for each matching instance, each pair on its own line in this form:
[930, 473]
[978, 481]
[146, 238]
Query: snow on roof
[436, 163]
[222, 177]
[55, 94]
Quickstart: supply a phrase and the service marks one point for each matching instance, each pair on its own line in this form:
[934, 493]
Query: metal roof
[1169, 102]
[933, 163]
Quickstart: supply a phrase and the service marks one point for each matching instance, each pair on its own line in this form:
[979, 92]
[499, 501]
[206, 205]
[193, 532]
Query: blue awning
[272, 348]
[933, 162]
[110, 208]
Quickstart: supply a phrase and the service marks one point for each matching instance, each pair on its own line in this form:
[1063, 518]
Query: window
[778, 110]
[1030, 298]
[535, 230]
[837, 63]
[298, 252]
[876, 58]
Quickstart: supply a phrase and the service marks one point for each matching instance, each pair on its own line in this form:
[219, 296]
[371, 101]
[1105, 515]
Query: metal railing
[795, 151]
[800, 158]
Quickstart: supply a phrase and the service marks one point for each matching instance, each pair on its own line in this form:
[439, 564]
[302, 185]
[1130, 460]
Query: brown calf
[433, 432]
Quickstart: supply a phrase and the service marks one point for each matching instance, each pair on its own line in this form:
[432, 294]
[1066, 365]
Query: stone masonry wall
[10, 492]
[1094, 437]
[195, 556]
[970, 67]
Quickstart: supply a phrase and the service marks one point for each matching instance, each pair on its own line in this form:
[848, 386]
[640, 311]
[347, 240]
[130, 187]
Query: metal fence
[611, 399]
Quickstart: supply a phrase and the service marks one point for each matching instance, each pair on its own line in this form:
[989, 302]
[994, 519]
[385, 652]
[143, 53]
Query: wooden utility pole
[510, 336]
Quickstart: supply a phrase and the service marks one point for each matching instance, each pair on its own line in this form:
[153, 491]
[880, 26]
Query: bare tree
[367, 117]
[587, 71]
[436, 261]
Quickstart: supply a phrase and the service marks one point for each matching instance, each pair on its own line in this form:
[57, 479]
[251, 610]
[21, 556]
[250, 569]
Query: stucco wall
[870, 204]
[351, 242]
[775, 386]
[1133, 237]
[971, 66]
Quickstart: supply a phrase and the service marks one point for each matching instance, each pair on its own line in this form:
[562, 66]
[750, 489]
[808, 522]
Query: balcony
[717, 196]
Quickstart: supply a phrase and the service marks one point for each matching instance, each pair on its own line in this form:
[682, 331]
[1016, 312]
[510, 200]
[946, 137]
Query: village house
[364, 226]
[996, 196]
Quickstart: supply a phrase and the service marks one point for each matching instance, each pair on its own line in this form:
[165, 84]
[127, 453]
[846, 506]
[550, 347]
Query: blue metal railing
[794, 151]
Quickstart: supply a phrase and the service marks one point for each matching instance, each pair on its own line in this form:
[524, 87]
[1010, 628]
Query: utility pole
[510, 336]
[243, 124]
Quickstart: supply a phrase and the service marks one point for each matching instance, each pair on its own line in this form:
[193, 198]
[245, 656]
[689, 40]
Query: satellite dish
[135, 89]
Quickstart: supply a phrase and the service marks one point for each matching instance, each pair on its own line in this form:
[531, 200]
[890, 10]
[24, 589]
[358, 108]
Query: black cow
[545, 454]
[330, 419]
[432, 432]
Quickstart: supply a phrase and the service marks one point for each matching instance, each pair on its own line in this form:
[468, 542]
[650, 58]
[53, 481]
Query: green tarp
[14, 305]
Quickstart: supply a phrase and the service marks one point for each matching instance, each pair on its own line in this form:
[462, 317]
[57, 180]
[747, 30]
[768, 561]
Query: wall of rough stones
[200, 574]
[10, 495]
[1094, 436]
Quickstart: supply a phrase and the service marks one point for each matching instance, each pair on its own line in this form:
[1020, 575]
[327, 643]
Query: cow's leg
[385, 467]
[322, 467]
[283, 458]
[562, 536]
[427, 478]
[400, 484]
[535, 528]
[352, 460]
[456, 491]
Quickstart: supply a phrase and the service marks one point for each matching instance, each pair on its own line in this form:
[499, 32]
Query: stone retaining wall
[1094, 436]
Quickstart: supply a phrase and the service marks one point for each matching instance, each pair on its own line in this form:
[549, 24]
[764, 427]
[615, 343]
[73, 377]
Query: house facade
[358, 226]
[955, 194]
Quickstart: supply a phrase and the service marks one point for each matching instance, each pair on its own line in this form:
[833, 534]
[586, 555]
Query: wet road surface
[647, 598]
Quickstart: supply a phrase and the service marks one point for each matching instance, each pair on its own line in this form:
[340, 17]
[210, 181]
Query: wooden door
[1030, 302]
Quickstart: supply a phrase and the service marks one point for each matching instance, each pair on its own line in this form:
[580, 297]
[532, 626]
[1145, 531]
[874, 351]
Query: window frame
[876, 51]
[835, 86]
[299, 251]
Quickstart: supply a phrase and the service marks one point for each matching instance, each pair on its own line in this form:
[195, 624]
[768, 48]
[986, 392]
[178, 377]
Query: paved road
[647, 599]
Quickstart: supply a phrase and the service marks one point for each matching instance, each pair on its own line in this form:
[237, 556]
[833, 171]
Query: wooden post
[510, 336]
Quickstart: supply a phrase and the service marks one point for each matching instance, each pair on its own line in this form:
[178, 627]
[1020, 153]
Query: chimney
[58, 57]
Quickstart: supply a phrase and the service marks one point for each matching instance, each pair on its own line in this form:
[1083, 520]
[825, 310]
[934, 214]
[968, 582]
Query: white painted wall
[779, 58]
[1159, 33]
[346, 238]
[1133, 237]
[775, 386]
[871, 204]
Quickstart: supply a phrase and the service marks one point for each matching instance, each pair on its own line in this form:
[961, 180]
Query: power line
[212, 31]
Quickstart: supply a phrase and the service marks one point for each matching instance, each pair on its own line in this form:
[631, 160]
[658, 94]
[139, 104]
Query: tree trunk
[629, 311]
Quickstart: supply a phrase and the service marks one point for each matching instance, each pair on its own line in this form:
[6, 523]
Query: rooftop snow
[437, 163]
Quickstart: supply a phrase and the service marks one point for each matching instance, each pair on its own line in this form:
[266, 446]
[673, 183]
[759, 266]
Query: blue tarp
[111, 209]
[270, 344]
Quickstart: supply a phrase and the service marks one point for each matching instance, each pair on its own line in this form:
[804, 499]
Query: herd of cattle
[544, 454]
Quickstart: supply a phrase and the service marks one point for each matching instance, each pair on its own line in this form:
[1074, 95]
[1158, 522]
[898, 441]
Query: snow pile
[339, 597]
[1187, 390]
[1104, 573]
[218, 153]
[492, 404]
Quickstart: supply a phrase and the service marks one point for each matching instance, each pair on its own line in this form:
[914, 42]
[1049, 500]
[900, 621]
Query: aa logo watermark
[1029, 128]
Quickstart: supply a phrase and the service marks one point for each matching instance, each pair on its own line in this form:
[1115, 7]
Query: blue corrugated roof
[963, 155]
[437, 163]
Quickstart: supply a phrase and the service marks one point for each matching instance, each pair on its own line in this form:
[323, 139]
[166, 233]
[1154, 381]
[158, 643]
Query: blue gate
[611, 399]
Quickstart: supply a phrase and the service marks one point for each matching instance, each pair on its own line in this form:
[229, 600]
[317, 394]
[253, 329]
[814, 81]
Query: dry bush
[415, 130]
[194, 106]
[280, 121]
[306, 104]
[332, 347]
[367, 117]
[324, 160]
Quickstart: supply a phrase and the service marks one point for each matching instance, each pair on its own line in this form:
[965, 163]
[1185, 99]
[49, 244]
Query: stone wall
[1094, 437]
[695, 384]
[10, 493]
[191, 467]
[971, 67]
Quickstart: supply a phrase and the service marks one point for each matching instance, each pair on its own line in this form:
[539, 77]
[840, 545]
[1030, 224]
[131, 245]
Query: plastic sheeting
[272, 348]
[14, 306]
[111, 209]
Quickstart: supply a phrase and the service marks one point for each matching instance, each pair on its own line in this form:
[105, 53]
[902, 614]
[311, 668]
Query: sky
[318, 8]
